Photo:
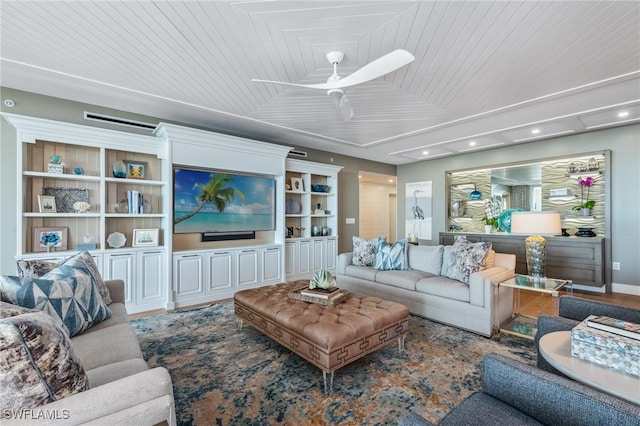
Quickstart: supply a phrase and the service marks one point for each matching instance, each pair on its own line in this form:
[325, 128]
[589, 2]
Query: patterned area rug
[225, 376]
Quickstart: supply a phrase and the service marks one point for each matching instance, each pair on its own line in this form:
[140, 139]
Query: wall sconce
[536, 224]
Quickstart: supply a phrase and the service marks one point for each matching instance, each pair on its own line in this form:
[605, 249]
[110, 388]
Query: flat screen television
[218, 201]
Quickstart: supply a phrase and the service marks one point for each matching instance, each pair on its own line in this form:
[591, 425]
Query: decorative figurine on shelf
[55, 166]
[119, 169]
[289, 231]
[81, 206]
[319, 210]
[78, 171]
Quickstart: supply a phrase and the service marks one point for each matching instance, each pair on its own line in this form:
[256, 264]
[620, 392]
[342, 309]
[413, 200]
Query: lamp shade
[536, 223]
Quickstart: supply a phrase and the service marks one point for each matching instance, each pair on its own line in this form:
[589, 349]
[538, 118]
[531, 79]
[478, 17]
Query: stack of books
[320, 296]
[321, 293]
[135, 201]
[616, 326]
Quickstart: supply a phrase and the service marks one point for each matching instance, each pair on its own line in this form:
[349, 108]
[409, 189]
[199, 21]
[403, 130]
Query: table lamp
[536, 224]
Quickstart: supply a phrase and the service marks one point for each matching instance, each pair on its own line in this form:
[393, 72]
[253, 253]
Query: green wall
[624, 143]
[35, 105]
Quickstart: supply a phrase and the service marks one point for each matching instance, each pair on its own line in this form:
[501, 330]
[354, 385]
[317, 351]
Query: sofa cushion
[402, 279]
[73, 301]
[115, 371]
[426, 258]
[466, 258]
[491, 411]
[391, 256]
[444, 287]
[96, 348]
[362, 272]
[38, 363]
[364, 251]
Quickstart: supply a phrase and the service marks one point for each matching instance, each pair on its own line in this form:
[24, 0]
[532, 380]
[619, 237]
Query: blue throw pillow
[391, 256]
[73, 301]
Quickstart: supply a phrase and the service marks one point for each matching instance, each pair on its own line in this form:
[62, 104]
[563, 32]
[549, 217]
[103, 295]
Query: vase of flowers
[586, 205]
[491, 213]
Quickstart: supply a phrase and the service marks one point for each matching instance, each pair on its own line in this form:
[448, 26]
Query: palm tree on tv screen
[216, 192]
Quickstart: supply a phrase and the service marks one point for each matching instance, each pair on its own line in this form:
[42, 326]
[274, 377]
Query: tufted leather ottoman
[329, 337]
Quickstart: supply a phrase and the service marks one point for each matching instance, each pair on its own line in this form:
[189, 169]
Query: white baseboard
[615, 288]
[626, 289]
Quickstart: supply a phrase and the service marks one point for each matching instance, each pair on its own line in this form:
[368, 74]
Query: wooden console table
[580, 260]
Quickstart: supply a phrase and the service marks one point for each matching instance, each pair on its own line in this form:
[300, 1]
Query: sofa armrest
[548, 324]
[552, 399]
[149, 391]
[480, 283]
[578, 309]
[116, 290]
[344, 260]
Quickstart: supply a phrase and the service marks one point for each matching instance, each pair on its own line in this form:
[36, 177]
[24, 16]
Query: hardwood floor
[533, 305]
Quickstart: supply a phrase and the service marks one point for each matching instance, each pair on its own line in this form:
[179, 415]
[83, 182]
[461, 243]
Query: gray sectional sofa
[122, 388]
[478, 306]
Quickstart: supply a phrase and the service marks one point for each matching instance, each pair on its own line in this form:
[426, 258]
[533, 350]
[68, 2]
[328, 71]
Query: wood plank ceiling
[485, 72]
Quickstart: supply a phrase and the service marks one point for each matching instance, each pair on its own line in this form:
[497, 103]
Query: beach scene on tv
[213, 201]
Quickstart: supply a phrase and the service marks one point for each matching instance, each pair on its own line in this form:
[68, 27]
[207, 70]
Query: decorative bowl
[316, 187]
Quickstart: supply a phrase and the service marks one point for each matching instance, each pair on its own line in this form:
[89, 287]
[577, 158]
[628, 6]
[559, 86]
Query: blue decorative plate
[504, 220]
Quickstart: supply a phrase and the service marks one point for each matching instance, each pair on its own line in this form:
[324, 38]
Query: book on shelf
[616, 326]
[321, 292]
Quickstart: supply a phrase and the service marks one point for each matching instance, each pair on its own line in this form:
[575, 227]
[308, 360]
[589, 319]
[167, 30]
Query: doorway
[378, 206]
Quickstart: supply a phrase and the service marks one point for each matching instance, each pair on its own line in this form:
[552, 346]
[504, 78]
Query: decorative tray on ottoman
[340, 296]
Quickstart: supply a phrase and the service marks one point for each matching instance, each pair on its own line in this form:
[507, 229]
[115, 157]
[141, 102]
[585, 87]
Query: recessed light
[472, 143]
[359, 176]
[623, 114]
[535, 131]
[425, 152]
[390, 180]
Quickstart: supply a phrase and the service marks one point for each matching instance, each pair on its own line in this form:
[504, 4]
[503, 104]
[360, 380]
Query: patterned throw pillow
[364, 251]
[73, 301]
[38, 363]
[34, 268]
[391, 256]
[466, 258]
[83, 262]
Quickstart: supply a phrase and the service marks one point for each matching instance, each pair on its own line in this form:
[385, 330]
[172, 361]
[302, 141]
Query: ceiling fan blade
[344, 107]
[322, 86]
[381, 66]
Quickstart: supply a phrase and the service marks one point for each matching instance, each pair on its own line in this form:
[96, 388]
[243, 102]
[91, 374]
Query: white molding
[303, 166]
[31, 129]
[625, 289]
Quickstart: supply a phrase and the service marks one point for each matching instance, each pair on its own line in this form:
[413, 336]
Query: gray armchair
[573, 310]
[514, 393]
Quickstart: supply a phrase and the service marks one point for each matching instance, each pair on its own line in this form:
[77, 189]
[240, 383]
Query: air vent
[117, 120]
[299, 154]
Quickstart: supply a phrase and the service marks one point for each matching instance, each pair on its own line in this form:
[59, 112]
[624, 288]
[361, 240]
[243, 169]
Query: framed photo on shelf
[50, 239]
[135, 169]
[145, 237]
[297, 185]
[47, 203]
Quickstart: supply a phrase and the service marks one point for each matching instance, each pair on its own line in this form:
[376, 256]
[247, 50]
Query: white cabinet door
[291, 253]
[271, 265]
[188, 279]
[247, 268]
[304, 258]
[219, 271]
[150, 282]
[332, 254]
[319, 248]
[121, 267]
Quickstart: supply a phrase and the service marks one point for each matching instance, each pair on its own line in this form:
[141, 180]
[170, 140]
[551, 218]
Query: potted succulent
[586, 204]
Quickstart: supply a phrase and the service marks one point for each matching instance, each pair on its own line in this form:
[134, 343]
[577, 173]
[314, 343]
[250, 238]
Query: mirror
[542, 185]
[518, 187]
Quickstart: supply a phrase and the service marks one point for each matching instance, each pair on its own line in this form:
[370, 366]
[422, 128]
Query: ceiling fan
[334, 85]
